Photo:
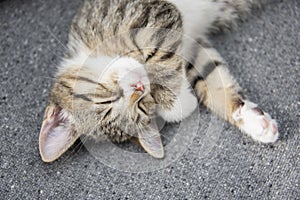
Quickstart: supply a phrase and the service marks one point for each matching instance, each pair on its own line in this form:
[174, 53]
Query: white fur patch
[197, 15]
[260, 127]
[85, 59]
[78, 60]
[129, 72]
[184, 105]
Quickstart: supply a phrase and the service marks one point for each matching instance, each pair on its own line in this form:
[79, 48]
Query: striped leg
[218, 90]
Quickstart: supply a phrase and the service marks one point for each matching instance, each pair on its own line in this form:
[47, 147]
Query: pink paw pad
[265, 123]
[256, 123]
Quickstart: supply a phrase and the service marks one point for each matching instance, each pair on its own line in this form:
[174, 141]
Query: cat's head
[100, 98]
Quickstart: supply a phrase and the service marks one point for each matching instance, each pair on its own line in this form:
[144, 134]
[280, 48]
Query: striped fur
[166, 42]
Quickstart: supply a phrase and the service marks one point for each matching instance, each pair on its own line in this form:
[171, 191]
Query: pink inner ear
[150, 140]
[56, 135]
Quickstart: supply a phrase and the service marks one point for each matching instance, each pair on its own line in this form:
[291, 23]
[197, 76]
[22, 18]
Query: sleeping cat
[129, 61]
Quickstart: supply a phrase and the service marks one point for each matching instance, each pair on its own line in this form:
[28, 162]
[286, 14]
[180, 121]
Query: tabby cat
[130, 60]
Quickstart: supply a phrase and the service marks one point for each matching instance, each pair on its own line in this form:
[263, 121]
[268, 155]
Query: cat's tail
[229, 11]
[212, 16]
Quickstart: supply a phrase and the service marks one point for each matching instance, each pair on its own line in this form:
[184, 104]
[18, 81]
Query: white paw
[256, 123]
[184, 105]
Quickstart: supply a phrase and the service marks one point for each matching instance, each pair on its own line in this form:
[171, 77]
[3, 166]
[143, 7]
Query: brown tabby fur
[151, 32]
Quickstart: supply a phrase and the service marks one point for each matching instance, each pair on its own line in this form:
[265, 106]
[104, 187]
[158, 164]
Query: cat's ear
[57, 133]
[150, 140]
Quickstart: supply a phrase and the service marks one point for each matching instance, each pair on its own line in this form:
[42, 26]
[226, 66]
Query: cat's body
[129, 60]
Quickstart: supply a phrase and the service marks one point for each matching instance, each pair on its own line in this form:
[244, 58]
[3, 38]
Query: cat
[128, 61]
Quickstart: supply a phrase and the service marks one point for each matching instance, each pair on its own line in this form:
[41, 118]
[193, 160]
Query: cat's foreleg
[217, 89]
[183, 104]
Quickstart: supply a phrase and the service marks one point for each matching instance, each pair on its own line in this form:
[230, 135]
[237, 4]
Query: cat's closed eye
[111, 100]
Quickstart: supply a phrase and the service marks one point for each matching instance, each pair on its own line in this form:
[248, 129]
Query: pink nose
[139, 86]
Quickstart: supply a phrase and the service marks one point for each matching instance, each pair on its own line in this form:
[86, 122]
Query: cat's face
[115, 102]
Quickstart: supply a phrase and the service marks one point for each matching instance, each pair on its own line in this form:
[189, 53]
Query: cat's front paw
[256, 123]
[184, 104]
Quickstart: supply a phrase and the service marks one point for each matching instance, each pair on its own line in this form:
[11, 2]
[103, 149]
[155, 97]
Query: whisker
[166, 137]
[77, 148]
[46, 77]
[52, 34]
[84, 139]
[70, 156]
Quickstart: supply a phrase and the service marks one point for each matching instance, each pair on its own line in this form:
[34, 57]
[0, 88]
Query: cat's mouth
[136, 96]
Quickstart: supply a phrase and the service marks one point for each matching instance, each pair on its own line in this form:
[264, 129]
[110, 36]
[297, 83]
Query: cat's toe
[268, 133]
[256, 123]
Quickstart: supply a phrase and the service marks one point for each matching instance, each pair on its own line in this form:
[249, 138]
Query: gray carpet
[263, 54]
